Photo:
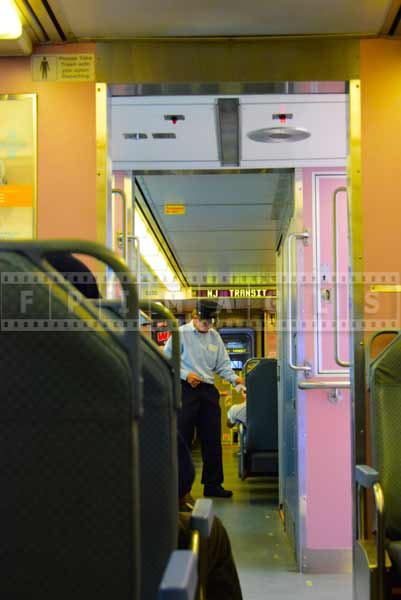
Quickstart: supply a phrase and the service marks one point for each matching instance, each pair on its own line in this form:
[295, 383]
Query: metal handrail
[380, 538]
[339, 361]
[124, 246]
[175, 360]
[324, 385]
[136, 239]
[305, 237]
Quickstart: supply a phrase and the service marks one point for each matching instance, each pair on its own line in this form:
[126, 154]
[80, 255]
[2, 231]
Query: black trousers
[201, 411]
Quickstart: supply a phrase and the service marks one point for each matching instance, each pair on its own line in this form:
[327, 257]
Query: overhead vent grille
[274, 135]
[392, 24]
[164, 136]
[395, 26]
[135, 136]
[228, 119]
[45, 20]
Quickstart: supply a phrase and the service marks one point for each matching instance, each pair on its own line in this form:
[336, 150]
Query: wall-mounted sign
[17, 166]
[174, 209]
[63, 67]
[248, 292]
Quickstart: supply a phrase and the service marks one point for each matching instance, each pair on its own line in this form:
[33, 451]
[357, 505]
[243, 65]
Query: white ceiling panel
[129, 18]
[228, 227]
[214, 190]
[228, 261]
[219, 218]
[228, 264]
[229, 240]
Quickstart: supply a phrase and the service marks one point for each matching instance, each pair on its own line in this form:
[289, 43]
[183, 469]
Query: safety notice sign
[63, 67]
[174, 209]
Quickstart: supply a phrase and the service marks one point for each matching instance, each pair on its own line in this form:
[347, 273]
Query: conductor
[202, 354]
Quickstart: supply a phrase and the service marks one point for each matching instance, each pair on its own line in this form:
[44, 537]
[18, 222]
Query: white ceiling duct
[276, 135]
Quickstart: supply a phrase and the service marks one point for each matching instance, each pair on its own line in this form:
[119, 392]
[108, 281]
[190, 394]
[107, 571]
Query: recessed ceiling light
[10, 24]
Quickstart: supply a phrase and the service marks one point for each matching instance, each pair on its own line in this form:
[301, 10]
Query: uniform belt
[201, 383]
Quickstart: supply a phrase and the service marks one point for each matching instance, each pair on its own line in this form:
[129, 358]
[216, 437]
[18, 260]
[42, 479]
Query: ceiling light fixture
[151, 253]
[10, 24]
[276, 135]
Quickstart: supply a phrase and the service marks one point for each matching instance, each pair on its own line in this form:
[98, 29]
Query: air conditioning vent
[274, 135]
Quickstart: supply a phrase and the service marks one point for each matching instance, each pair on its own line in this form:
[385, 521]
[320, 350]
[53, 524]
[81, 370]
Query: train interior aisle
[262, 551]
[239, 196]
[160, 161]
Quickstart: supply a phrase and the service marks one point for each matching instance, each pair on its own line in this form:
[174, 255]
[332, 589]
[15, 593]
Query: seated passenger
[237, 413]
[67, 263]
[217, 572]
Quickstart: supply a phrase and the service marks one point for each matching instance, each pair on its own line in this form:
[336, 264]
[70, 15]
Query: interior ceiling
[230, 224]
[102, 19]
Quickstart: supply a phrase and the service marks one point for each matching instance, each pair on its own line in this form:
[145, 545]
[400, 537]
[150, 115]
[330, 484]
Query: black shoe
[216, 491]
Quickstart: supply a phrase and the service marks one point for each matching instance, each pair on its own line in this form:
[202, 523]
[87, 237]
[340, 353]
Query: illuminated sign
[162, 336]
[234, 293]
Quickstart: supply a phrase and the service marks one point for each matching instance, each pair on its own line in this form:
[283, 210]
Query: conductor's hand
[193, 380]
[239, 381]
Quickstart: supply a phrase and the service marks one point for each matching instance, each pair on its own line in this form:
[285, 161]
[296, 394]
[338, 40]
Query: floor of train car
[261, 549]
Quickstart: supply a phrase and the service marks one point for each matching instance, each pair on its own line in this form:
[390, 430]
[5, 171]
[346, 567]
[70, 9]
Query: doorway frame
[215, 63]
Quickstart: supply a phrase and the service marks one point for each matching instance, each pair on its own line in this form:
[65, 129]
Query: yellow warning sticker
[174, 209]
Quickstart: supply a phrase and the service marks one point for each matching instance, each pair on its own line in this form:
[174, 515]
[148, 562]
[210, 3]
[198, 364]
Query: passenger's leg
[188, 414]
[209, 427]
[217, 572]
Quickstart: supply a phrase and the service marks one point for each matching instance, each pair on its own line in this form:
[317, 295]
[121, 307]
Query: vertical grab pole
[136, 240]
[339, 361]
[293, 236]
[124, 246]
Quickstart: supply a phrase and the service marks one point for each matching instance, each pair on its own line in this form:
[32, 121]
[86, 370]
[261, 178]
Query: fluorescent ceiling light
[10, 24]
[154, 257]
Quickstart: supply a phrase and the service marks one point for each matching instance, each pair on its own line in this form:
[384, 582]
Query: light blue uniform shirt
[202, 354]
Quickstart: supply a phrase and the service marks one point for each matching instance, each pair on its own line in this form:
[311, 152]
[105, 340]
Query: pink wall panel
[327, 426]
[328, 471]
[66, 146]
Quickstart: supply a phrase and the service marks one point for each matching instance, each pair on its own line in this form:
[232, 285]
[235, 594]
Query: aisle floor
[264, 558]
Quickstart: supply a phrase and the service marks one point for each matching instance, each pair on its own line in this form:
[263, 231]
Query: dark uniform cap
[207, 309]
